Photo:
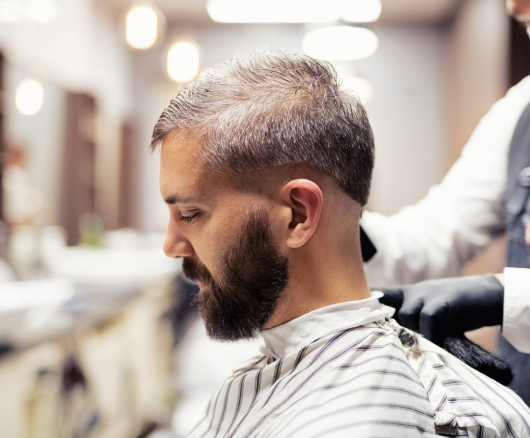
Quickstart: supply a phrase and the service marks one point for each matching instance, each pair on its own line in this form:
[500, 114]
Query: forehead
[182, 171]
[180, 155]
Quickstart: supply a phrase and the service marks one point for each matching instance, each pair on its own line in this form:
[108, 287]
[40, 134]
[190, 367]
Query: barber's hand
[447, 307]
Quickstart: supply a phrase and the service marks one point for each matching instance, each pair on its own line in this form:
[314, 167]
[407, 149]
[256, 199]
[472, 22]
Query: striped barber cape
[348, 370]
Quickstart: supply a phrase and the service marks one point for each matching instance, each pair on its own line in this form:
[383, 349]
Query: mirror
[49, 172]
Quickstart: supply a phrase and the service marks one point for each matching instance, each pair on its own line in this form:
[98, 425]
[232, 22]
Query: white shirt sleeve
[460, 216]
[516, 320]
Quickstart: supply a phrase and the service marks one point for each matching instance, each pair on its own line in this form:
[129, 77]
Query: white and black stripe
[348, 376]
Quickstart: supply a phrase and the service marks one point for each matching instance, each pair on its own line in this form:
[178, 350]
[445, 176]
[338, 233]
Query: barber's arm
[516, 317]
[458, 218]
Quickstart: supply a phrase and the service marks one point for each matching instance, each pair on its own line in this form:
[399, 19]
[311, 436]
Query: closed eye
[189, 218]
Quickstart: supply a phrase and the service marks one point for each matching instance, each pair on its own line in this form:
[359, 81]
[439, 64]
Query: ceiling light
[36, 11]
[360, 11]
[273, 11]
[9, 11]
[40, 11]
[360, 86]
[340, 43]
[141, 27]
[29, 97]
[183, 61]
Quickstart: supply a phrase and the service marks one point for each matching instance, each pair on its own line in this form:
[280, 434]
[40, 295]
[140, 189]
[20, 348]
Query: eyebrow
[174, 199]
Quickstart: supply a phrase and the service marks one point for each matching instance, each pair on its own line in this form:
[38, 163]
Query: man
[262, 159]
[486, 192]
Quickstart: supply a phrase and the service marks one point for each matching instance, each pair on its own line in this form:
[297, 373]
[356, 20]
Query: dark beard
[254, 275]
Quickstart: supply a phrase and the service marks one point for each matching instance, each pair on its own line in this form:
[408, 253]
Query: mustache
[196, 271]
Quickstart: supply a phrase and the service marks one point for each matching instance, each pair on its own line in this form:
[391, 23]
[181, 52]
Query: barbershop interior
[100, 334]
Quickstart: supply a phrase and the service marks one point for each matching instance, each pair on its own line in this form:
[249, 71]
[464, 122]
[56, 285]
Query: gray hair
[271, 108]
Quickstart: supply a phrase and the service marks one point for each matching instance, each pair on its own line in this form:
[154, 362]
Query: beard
[252, 278]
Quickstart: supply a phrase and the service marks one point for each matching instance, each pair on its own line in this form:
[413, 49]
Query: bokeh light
[29, 97]
[141, 28]
[340, 43]
[183, 61]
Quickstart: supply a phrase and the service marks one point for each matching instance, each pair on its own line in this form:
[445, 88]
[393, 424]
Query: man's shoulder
[255, 362]
[468, 396]
[356, 380]
[373, 380]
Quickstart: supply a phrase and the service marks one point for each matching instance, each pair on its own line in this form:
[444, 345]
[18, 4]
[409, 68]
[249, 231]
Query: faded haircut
[272, 108]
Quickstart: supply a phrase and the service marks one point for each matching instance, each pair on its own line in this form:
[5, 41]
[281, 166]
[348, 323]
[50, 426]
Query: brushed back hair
[271, 108]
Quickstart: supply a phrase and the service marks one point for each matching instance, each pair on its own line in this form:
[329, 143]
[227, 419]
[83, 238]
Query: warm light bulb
[360, 86]
[183, 61]
[29, 97]
[340, 43]
[360, 11]
[273, 11]
[141, 27]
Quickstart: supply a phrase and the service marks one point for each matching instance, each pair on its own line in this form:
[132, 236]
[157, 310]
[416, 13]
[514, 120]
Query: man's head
[249, 152]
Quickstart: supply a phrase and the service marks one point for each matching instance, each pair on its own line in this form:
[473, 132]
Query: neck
[322, 275]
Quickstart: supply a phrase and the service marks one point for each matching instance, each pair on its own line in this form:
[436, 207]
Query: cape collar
[293, 335]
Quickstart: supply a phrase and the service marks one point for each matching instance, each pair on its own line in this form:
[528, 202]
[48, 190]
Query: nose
[175, 243]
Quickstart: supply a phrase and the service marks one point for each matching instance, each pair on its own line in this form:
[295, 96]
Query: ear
[305, 201]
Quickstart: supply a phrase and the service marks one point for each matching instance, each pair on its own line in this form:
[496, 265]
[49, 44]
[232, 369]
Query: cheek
[208, 247]
[205, 251]
[220, 232]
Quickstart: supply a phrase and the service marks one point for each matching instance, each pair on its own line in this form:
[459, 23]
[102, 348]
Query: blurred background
[97, 338]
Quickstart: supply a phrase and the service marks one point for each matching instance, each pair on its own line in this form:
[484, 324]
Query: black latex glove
[447, 307]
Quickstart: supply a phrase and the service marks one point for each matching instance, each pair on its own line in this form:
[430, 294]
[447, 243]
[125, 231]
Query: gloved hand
[447, 307]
